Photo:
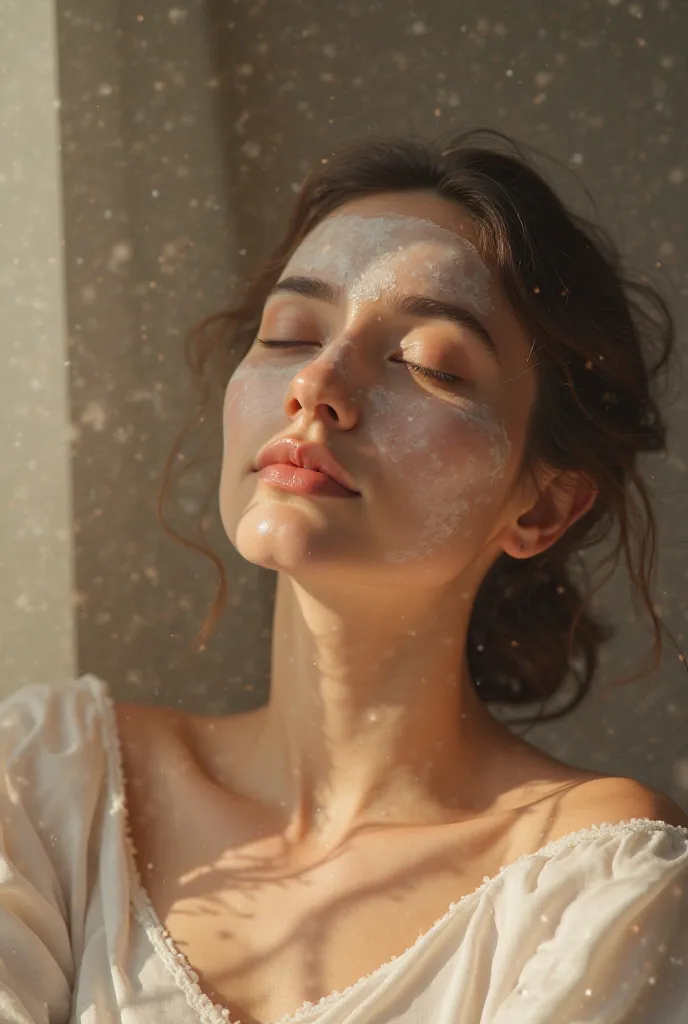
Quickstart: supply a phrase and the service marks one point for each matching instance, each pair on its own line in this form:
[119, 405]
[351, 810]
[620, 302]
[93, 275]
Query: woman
[444, 390]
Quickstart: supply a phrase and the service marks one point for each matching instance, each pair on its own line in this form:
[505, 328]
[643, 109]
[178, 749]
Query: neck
[373, 716]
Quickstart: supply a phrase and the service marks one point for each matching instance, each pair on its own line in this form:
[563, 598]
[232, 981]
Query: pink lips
[304, 468]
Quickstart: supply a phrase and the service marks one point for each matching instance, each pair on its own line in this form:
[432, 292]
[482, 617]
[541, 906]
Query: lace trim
[176, 962]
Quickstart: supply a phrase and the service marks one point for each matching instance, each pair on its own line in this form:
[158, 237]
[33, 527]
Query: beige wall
[185, 132]
[36, 620]
[150, 250]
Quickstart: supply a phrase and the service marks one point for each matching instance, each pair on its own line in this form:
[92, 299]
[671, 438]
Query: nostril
[329, 411]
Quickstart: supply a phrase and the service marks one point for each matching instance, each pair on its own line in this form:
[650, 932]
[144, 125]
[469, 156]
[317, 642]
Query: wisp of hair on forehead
[602, 342]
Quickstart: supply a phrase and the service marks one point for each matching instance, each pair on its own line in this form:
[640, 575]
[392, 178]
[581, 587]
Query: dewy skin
[441, 456]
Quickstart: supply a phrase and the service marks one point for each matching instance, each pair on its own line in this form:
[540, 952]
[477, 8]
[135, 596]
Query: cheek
[254, 401]
[444, 462]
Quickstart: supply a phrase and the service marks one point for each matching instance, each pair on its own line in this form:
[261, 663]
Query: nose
[322, 391]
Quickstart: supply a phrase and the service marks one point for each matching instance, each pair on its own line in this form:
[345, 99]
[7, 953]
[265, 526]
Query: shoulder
[148, 726]
[149, 738]
[614, 799]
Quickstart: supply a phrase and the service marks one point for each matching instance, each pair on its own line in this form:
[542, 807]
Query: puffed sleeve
[613, 942]
[51, 764]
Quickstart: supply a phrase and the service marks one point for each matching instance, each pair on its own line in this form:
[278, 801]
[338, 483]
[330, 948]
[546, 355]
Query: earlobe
[564, 501]
[524, 546]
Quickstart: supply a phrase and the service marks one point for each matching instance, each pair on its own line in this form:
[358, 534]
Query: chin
[282, 537]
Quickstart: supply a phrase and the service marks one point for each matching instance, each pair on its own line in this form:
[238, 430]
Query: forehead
[380, 226]
[382, 244]
[427, 207]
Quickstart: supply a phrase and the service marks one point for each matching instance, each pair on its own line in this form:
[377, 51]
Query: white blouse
[590, 929]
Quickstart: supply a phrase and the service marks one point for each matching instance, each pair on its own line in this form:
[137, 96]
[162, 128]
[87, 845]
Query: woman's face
[391, 345]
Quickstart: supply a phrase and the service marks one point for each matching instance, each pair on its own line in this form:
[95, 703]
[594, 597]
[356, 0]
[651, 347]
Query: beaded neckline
[176, 962]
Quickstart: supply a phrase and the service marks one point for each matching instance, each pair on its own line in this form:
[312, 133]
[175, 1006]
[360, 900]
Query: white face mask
[368, 256]
[429, 460]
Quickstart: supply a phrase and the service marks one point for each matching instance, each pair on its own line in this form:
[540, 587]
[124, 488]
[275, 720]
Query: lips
[289, 451]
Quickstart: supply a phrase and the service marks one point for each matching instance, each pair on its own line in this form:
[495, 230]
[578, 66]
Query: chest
[267, 930]
[265, 933]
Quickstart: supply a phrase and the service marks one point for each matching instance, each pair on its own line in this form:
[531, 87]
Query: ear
[561, 499]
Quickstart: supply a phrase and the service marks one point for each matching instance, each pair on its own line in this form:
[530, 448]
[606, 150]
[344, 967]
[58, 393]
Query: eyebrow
[410, 305]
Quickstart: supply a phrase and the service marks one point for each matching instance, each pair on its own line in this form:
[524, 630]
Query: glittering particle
[251, 149]
[419, 28]
[94, 415]
[676, 176]
[177, 15]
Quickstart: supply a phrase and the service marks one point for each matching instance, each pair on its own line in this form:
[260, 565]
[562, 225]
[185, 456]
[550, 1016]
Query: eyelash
[424, 371]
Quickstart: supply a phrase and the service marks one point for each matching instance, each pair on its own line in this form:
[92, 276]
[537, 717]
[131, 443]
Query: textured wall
[36, 621]
[186, 132]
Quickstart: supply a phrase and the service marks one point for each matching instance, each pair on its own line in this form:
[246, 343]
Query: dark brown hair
[600, 342]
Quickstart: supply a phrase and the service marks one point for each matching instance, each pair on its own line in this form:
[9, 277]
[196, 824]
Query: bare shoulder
[613, 799]
[137, 718]
[145, 731]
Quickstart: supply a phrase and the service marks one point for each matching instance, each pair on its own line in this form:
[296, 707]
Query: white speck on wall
[152, 575]
[94, 415]
[251, 149]
[120, 254]
[177, 15]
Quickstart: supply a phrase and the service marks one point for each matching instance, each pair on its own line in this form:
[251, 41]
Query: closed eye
[424, 371]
